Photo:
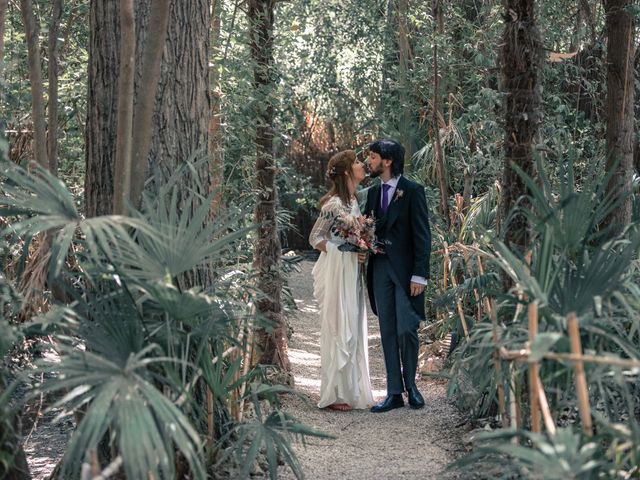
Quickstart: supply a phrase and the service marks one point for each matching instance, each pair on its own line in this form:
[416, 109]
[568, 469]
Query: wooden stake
[476, 295]
[581, 380]
[498, 366]
[210, 418]
[487, 304]
[245, 370]
[454, 283]
[544, 407]
[534, 404]
[514, 416]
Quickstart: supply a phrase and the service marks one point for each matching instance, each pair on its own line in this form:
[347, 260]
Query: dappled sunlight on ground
[404, 443]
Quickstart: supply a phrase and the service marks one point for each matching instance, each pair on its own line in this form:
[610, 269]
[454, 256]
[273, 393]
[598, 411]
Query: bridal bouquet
[359, 234]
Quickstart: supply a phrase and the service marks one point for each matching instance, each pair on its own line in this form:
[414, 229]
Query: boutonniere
[399, 194]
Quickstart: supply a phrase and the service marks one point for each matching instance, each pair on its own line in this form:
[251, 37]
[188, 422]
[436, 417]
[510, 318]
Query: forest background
[182, 147]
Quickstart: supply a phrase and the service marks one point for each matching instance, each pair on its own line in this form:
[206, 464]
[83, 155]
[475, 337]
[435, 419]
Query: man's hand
[362, 257]
[416, 289]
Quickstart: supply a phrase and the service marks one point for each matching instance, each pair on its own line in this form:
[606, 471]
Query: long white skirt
[344, 354]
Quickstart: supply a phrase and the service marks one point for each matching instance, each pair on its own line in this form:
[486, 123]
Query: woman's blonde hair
[339, 171]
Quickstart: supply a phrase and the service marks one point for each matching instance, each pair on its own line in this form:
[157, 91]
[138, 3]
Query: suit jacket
[405, 230]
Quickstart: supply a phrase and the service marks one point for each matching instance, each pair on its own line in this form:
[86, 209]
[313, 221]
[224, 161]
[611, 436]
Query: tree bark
[3, 19]
[52, 139]
[35, 77]
[143, 115]
[520, 62]
[124, 139]
[215, 121]
[102, 106]
[437, 145]
[181, 113]
[404, 54]
[620, 105]
[267, 249]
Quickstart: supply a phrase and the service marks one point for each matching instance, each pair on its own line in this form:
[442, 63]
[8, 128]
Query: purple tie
[385, 197]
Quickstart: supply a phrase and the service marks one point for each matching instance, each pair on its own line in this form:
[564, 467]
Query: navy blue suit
[407, 236]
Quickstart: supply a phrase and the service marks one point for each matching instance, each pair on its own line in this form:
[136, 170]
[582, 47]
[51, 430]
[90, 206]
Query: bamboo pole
[245, 370]
[544, 407]
[454, 283]
[534, 403]
[487, 304]
[514, 408]
[522, 355]
[581, 381]
[476, 295]
[498, 366]
[210, 418]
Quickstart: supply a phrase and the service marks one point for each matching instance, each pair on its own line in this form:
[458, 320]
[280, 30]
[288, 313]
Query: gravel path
[400, 444]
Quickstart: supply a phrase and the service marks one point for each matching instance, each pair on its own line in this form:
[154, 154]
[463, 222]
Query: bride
[338, 288]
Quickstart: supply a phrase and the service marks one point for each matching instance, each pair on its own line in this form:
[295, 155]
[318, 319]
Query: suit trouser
[398, 327]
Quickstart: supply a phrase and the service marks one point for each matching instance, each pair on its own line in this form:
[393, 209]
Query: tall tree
[404, 56]
[215, 122]
[124, 139]
[620, 27]
[35, 76]
[180, 117]
[267, 250]
[3, 18]
[52, 138]
[520, 58]
[102, 106]
[150, 63]
[437, 145]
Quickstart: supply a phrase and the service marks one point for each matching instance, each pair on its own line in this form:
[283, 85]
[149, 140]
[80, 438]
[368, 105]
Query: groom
[396, 279]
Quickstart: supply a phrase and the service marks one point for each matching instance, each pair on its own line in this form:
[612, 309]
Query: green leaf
[542, 343]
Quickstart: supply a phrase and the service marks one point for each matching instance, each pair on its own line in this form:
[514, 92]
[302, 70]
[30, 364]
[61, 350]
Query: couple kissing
[393, 240]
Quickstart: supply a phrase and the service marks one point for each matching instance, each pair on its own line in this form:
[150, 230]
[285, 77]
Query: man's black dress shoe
[415, 399]
[389, 403]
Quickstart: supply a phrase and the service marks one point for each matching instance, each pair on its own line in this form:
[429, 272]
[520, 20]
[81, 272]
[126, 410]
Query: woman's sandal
[340, 407]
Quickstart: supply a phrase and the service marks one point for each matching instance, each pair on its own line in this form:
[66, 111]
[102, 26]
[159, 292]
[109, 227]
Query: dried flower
[399, 194]
[359, 233]
[331, 173]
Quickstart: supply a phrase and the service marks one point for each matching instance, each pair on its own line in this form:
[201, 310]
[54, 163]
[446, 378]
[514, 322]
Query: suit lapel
[373, 200]
[396, 202]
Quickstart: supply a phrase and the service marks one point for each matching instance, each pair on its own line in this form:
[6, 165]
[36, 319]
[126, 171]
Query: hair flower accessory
[399, 194]
[331, 173]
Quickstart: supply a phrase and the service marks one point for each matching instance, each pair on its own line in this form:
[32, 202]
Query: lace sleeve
[322, 228]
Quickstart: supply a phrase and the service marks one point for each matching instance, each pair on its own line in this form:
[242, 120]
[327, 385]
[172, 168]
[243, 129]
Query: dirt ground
[400, 444]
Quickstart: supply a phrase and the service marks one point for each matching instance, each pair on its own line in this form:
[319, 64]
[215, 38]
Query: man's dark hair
[390, 150]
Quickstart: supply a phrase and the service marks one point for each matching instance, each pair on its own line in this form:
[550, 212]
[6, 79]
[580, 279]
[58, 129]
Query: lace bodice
[332, 208]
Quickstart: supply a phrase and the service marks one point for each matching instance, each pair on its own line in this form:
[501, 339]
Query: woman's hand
[362, 257]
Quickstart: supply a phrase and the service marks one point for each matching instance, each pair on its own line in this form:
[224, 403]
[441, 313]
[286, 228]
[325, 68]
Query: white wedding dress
[339, 291]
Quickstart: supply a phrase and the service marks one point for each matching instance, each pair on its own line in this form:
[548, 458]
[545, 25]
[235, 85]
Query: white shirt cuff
[420, 280]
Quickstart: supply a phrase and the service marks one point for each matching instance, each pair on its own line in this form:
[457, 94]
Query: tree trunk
[620, 105]
[267, 249]
[149, 79]
[437, 145]
[3, 19]
[404, 54]
[215, 123]
[124, 139]
[102, 106]
[388, 12]
[52, 139]
[181, 113]
[35, 77]
[3, 118]
[520, 62]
